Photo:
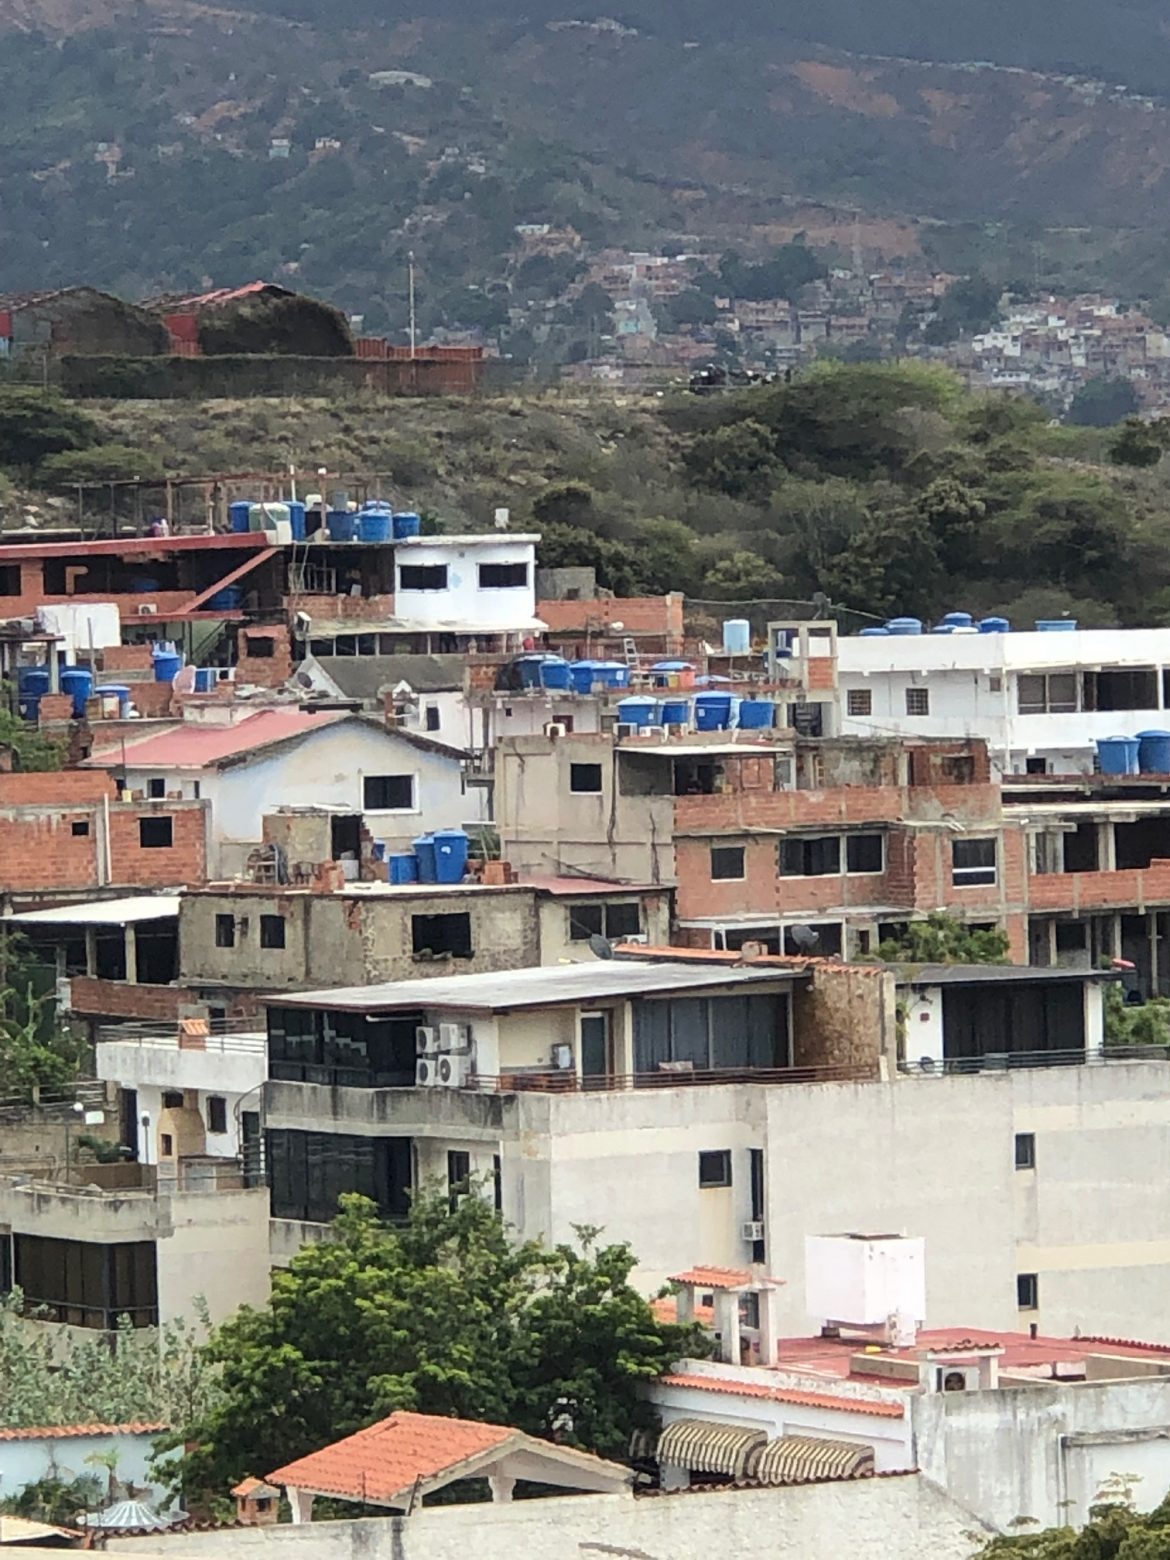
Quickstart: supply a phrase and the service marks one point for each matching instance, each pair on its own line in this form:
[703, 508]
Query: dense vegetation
[1115, 1531]
[36, 1050]
[444, 1314]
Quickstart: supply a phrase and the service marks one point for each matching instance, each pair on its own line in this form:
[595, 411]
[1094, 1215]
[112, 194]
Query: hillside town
[806, 966]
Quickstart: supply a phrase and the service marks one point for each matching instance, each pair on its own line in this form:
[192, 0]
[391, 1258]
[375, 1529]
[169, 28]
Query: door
[596, 1050]
[129, 1121]
[251, 1147]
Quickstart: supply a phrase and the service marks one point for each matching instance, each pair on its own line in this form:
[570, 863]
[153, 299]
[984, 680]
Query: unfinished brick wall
[264, 671]
[184, 861]
[127, 658]
[40, 850]
[55, 709]
[96, 998]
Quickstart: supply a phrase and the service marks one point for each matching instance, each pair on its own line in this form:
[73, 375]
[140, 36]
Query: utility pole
[413, 331]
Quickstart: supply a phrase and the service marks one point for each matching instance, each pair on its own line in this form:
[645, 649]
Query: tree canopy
[444, 1314]
[1115, 1531]
[942, 939]
[36, 1050]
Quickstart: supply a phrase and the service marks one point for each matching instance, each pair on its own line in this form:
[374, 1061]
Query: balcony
[221, 1059]
[668, 1077]
[1012, 1061]
[116, 1202]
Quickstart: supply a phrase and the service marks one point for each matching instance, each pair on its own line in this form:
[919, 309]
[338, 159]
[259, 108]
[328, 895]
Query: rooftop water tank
[994, 625]
[873, 633]
[452, 847]
[424, 852]
[737, 636]
[676, 712]
[756, 714]
[240, 514]
[374, 525]
[712, 711]
[1154, 752]
[638, 710]
[1118, 755]
[78, 683]
[342, 525]
[904, 625]
[406, 524]
[167, 663]
[296, 519]
[581, 676]
[958, 619]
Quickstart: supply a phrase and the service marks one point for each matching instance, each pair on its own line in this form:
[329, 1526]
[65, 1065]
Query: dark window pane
[727, 862]
[388, 792]
[585, 921]
[414, 576]
[225, 931]
[503, 576]
[863, 853]
[155, 833]
[585, 778]
[272, 931]
[442, 934]
[715, 1167]
[623, 921]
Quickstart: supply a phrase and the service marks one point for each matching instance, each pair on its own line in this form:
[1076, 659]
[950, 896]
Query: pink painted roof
[194, 746]
[133, 546]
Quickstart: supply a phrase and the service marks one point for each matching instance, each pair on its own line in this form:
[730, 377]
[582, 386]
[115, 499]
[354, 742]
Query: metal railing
[54, 1104]
[224, 1036]
[567, 1082]
[99, 1318]
[1009, 1061]
[139, 1182]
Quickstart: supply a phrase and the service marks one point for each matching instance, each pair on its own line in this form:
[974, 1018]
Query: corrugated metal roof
[195, 746]
[703, 1446]
[102, 912]
[539, 986]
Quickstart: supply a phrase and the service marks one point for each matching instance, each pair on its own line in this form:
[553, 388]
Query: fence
[1007, 1061]
[567, 1082]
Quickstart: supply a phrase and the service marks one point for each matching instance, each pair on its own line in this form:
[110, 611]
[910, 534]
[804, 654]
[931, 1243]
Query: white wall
[217, 1251]
[63, 1457]
[463, 606]
[856, 1518]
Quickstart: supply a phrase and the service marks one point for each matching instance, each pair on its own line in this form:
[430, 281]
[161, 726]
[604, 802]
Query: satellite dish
[184, 680]
[803, 938]
[601, 946]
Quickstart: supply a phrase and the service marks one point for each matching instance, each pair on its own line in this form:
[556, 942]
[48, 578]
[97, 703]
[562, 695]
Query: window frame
[917, 695]
[976, 876]
[715, 1176]
[409, 777]
[731, 851]
[576, 770]
[148, 823]
[1025, 1151]
[504, 584]
[416, 571]
[858, 702]
[268, 924]
[225, 929]
[807, 844]
[79, 828]
[216, 1112]
[1027, 1291]
[857, 839]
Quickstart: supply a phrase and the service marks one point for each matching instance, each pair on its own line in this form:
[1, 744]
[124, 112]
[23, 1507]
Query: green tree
[32, 750]
[37, 423]
[1101, 402]
[968, 306]
[743, 576]
[1147, 1024]
[941, 939]
[566, 503]
[100, 463]
[445, 1314]
[1139, 443]
[738, 459]
[889, 568]
[954, 514]
[35, 1048]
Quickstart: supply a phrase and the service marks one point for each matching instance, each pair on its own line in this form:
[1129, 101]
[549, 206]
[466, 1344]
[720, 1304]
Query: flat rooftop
[993, 974]
[540, 986]
[1092, 649]
[101, 912]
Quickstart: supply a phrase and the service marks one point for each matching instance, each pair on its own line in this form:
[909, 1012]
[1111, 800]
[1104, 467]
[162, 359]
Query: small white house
[402, 783]
[69, 1452]
[467, 584]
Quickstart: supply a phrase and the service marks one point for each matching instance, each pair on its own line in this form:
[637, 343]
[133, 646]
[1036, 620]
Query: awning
[703, 1446]
[797, 1459]
[101, 912]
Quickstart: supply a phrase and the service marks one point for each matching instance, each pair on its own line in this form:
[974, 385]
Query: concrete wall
[217, 1251]
[901, 1518]
[1045, 1451]
[556, 916]
[26, 1462]
[463, 601]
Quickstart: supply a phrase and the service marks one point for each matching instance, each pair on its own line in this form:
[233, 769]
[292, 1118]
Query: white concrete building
[64, 1452]
[466, 585]
[1041, 700]
[401, 783]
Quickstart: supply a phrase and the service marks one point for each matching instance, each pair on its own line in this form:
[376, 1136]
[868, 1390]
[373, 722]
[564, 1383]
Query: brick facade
[260, 669]
[96, 998]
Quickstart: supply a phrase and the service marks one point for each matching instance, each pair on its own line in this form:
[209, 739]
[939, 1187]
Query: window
[1027, 1291]
[864, 853]
[859, 701]
[689, 1034]
[272, 931]
[88, 1283]
[388, 793]
[342, 1049]
[623, 921]
[585, 779]
[156, 787]
[9, 579]
[918, 701]
[434, 936]
[79, 828]
[1025, 1151]
[727, 863]
[167, 1149]
[597, 920]
[458, 1173]
[172, 1099]
[1051, 694]
[973, 863]
[309, 1171]
[155, 833]
[498, 1182]
[813, 856]
[422, 576]
[503, 576]
[225, 931]
[216, 1113]
[263, 649]
[434, 718]
[714, 1167]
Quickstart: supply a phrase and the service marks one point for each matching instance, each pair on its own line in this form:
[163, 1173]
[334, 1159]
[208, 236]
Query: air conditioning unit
[556, 729]
[626, 729]
[426, 1072]
[636, 937]
[453, 1037]
[752, 1229]
[148, 609]
[453, 1071]
[562, 1056]
[426, 1041]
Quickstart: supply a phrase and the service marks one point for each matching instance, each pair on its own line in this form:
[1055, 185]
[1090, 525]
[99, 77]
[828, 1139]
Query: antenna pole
[413, 331]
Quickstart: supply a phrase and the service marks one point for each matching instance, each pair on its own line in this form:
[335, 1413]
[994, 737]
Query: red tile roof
[761, 1389]
[832, 1357]
[251, 1486]
[195, 746]
[60, 1432]
[720, 1278]
[387, 1459]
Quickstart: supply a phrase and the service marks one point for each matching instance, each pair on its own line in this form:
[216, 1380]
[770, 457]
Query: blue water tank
[229, 599]
[78, 683]
[240, 514]
[404, 869]
[119, 691]
[32, 682]
[958, 619]
[994, 625]
[206, 678]
[542, 671]
[756, 714]
[1154, 752]
[296, 519]
[144, 585]
[612, 674]
[581, 676]
[712, 711]
[676, 712]
[873, 633]
[167, 664]
[556, 673]
[737, 636]
[638, 710]
[943, 628]
[1056, 625]
[1118, 755]
[406, 524]
[374, 525]
[904, 625]
[342, 525]
[424, 853]
[452, 847]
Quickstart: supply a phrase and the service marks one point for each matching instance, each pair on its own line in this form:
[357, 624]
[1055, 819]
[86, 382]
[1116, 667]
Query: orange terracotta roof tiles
[253, 1487]
[388, 1458]
[60, 1432]
[882, 1410]
[665, 1309]
[720, 1278]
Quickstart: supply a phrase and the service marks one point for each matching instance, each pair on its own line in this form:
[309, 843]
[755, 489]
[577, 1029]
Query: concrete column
[1152, 923]
[302, 1504]
[501, 1486]
[727, 1325]
[1106, 847]
[685, 1305]
[131, 938]
[769, 1326]
[90, 951]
